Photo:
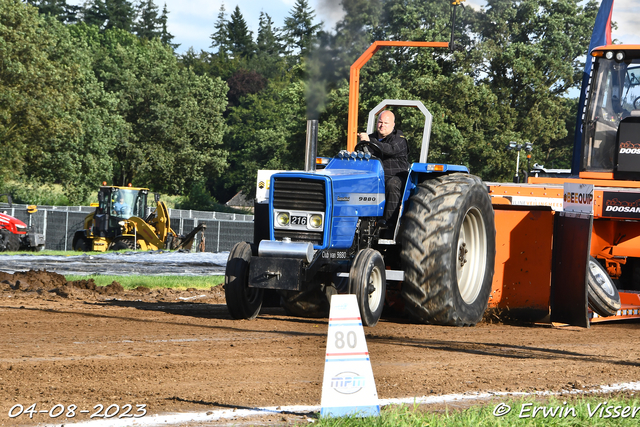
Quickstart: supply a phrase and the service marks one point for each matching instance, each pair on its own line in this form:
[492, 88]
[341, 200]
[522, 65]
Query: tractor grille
[301, 195]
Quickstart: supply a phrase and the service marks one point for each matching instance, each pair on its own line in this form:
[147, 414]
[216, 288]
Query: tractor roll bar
[426, 133]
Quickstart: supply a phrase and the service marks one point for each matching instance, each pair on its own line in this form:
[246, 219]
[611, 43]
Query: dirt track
[64, 343]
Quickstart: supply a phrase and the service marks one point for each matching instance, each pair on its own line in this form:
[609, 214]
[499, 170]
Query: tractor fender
[419, 172]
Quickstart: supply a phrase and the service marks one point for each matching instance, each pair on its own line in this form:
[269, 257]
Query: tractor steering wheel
[372, 145]
[635, 103]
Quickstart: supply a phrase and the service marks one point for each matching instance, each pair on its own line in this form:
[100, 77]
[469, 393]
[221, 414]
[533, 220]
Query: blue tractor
[320, 232]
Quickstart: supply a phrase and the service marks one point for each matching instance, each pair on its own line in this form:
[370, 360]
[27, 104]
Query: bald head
[386, 123]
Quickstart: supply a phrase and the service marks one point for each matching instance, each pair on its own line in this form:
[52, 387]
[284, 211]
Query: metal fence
[59, 223]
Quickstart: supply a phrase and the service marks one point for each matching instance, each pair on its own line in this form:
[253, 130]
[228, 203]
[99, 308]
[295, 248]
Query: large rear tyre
[8, 241]
[243, 302]
[448, 251]
[602, 293]
[367, 280]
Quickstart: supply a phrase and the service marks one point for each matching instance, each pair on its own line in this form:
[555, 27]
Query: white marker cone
[348, 387]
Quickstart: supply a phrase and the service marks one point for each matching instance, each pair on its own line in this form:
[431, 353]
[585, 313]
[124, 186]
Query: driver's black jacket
[395, 152]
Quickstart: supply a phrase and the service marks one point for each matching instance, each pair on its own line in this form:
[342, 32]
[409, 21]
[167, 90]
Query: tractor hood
[323, 207]
[358, 187]
[12, 224]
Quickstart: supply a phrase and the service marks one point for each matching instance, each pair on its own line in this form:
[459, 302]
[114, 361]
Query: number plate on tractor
[298, 220]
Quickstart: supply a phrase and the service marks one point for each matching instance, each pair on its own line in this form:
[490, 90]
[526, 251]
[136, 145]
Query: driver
[395, 160]
[121, 207]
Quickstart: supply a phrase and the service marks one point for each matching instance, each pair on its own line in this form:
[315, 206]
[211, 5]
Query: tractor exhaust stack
[312, 146]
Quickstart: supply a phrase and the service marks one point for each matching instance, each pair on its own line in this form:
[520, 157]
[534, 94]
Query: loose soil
[75, 343]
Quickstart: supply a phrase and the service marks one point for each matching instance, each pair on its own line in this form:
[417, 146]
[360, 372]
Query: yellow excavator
[120, 222]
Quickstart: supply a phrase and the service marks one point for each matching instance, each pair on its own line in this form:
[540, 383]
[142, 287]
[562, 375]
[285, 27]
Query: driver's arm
[363, 136]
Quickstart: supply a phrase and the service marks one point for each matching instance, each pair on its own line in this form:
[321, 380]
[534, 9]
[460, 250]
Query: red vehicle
[15, 236]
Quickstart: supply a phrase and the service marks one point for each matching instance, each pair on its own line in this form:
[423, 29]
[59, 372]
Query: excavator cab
[116, 204]
[611, 137]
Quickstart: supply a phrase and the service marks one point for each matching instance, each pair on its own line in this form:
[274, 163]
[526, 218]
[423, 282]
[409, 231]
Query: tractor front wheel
[81, 243]
[367, 280]
[124, 243]
[448, 251]
[243, 302]
[8, 241]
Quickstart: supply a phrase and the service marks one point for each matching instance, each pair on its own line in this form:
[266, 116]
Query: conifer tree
[148, 24]
[299, 28]
[120, 14]
[269, 38]
[165, 36]
[240, 38]
[220, 36]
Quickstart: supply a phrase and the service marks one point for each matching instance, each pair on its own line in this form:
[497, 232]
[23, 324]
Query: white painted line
[172, 419]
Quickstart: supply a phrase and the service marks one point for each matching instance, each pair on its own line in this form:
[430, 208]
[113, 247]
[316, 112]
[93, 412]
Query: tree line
[98, 92]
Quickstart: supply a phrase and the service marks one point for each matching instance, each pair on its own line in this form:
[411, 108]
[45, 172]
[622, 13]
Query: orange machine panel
[522, 278]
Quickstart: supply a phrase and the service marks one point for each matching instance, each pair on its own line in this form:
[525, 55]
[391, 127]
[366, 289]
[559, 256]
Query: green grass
[152, 282]
[49, 252]
[521, 414]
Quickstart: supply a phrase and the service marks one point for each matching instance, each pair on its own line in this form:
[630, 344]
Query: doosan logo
[625, 209]
[628, 147]
[629, 151]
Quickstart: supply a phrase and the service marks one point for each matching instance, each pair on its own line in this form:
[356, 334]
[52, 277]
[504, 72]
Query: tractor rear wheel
[243, 302]
[602, 293]
[448, 251]
[367, 280]
[9, 241]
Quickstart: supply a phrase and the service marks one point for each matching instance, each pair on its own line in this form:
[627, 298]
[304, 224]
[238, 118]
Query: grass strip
[553, 412]
[152, 282]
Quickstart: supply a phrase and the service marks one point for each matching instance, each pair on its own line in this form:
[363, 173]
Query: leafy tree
[354, 33]
[299, 29]
[244, 82]
[174, 116]
[508, 80]
[56, 120]
[528, 56]
[269, 133]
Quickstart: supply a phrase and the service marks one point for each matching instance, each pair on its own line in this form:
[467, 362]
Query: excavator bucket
[187, 241]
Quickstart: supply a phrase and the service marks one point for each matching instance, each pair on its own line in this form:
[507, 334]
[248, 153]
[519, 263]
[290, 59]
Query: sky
[191, 21]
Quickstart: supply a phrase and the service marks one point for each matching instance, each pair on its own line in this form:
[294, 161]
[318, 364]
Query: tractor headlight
[315, 221]
[619, 56]
[608, 55]
[283, 218]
